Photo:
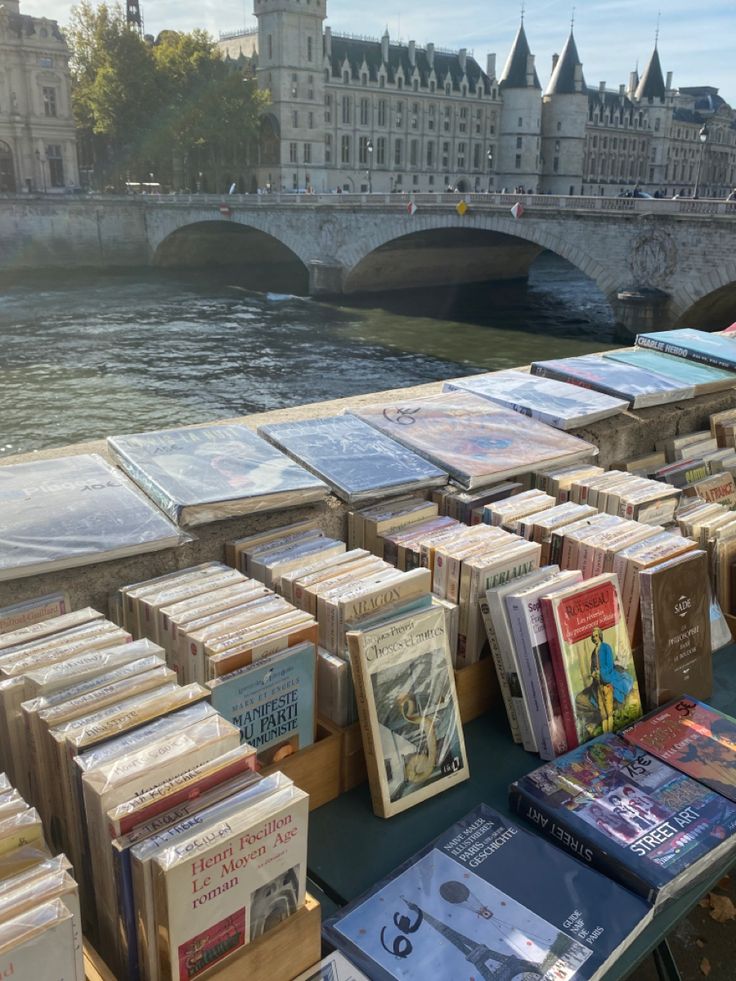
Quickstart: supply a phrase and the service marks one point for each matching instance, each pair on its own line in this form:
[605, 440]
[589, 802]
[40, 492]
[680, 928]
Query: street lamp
[703, 137]
[489, 154]
[369, 151]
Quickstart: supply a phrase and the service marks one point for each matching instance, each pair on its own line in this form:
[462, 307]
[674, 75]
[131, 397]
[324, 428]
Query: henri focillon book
[488, 900]
[208, 473]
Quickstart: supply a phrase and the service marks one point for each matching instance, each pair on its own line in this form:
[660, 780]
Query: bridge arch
[515, 245]
[260, 259]
[715, 308]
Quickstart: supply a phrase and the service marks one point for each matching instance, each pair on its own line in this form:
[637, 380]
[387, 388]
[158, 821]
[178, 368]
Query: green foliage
[174, 108]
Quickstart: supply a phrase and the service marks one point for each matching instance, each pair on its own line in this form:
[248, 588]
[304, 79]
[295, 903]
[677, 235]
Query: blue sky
[696, 40]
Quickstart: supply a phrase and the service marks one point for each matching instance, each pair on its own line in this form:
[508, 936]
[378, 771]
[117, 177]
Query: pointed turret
[567, 77]
[651, 83]
[519, 71]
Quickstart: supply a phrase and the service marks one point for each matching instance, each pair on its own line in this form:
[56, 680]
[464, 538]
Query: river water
[85, 357]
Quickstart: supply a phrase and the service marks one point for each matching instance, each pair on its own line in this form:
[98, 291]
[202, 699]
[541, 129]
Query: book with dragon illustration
[408, 709]
[489, 901]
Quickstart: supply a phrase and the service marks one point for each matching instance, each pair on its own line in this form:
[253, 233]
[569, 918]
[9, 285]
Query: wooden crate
[352, 758]
[283, 953]
[477, 689]
[315, 769]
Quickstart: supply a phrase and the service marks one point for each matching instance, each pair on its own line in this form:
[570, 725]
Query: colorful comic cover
[474, 440]
[487, 900]
[624, 381]
[694, 738]
[628, 814]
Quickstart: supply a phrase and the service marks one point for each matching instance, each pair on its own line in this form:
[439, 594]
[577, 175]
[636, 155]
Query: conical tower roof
[514, 75]
[563, 77]
[651, 83]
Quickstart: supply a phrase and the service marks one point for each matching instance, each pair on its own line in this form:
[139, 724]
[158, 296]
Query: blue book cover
[213, 472]
[557, 403]
[272, 702]
[355, 460]
[717, 350]
[489, 900]
[630, 815]
[625, 381]
[702, 377]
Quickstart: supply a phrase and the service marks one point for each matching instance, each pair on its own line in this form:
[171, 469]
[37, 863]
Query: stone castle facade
[359, 114]
[38, 150]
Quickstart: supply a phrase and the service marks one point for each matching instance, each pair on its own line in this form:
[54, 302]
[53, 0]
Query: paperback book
[638, 387]
[408, 709]
[557, 403]
[356, 461]
[474, 440]
[487, 899]
[205, 474]
[714, 349]
[72, 511]
[629, 815]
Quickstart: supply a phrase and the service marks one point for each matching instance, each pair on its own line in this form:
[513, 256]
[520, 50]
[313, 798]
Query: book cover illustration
[686, 372]
[198, 475]
[473, 439]
[71, 511]
[621, 809]
[625, 381]
[554, 402]
[461, 909]
[593, 661]
[695, 345]
[694, 738]
[354, 459]
[334, 967]
[272, 702]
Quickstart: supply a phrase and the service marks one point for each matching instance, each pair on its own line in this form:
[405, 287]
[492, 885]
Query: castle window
[430, 117]
[364, 78]
[307, 153]
[521, 122]
[363, 112]
[431, 180]
[445, 156]
[518, 142]
[311, 120]
[346, 77]
[413, 153]
[446, 120]
[556, 164]
[432, 86]
[328, 107]
[399, 113]
[465, 89]
[518, 161]
[476, 156]
[327, 74]
[448, 88]
[381, 151]
[310, 86]
[381, 112]
[656, 125]
[398, 151]
[559, 127]
[382, 82]
[293, 153]
[346, 109]
[557, 146]
[56, 165]
[328, 148]
[415, 84]
[463, 120]
[270, 46]
[345, 149]
[493, 93]
[399, 82]
[310, 46]
[49, 102]
[430, 154]
[363, 150]
[295, 119]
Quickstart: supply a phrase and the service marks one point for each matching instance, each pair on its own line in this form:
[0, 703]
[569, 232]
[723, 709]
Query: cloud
[612, 35]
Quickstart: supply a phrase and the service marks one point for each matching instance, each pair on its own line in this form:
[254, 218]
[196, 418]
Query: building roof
[446, 65]
[651, 83]
[563, 77]
[514, 74]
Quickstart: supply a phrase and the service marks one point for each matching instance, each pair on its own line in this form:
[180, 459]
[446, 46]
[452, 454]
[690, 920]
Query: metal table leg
[665, 963]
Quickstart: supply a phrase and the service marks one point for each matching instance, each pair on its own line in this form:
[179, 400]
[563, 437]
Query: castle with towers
[359, 114]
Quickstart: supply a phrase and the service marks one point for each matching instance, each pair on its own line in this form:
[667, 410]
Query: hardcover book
[463, 908]
[675, 617]
[695, 345]
[629, 815]
[213, 472]
[477, 442]
[624, 381]
[72, 511]
[592, 659]
[702, 377]
[356, 461]
[408, 709]
[694, 738]
[557, 403]
[272, 702]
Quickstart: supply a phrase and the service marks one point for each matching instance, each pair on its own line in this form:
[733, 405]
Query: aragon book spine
[679, 351]
[545, 822]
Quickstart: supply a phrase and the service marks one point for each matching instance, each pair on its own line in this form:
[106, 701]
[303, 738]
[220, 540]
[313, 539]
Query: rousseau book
[488, 900]
[626, 813]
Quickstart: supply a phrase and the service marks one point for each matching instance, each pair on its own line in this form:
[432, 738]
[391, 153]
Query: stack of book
[182, 852]
[699, 346]
[468, 506]
[29, 612]
[627, 495]
[40, 913]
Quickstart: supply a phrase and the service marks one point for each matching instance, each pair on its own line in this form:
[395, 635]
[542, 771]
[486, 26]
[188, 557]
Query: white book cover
[33, 941]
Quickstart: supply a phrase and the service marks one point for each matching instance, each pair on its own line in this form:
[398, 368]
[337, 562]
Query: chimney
[328, 42]
[412, 53]
[601, 87]
[668, 86]
[555, 59]
[622, 90]
[530, 70]
[578, 78]
[384, 47]
[491, 65]
[430, 55]
[462, 57]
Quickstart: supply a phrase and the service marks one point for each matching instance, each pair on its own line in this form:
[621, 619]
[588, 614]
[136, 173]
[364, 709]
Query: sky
[695, 40]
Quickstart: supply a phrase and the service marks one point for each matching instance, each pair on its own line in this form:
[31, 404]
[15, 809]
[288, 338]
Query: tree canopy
[173, 108]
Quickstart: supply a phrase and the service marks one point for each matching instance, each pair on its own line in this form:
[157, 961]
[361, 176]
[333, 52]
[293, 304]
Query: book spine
[649, 645]
[505, 643]
[369, 748]
[678, 351]
[503, 681]
[151, 489]
[544, 820]
[529, 679]
[558, 666]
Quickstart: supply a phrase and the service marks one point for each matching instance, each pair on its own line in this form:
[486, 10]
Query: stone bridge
[660, 263]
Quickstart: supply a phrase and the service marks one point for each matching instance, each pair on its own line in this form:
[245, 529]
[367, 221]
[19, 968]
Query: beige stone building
[354, 113]
[38, 150]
